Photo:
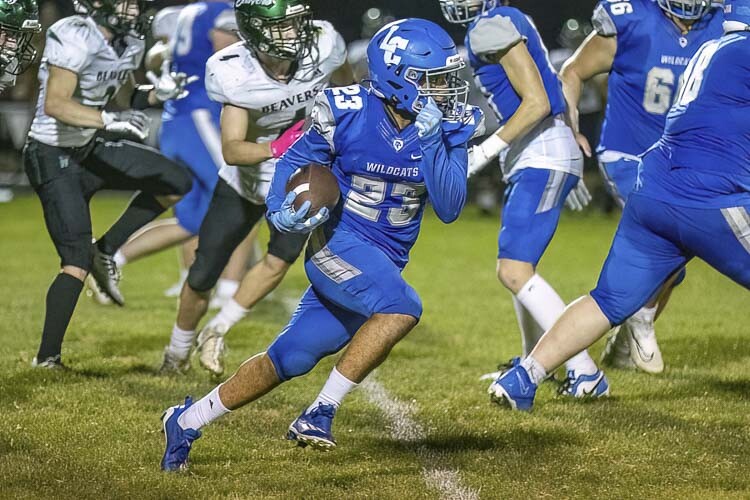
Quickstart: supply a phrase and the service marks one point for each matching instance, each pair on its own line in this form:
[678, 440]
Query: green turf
[95, 433]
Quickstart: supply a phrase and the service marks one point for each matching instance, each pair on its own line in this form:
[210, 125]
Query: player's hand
[132, 122]
[429, 119]
[288, 220]
[170, 84]
[481, 154]
[579, 197]
[286, 139]
[583, 143]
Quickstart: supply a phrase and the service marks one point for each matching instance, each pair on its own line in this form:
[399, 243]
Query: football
[317, 184]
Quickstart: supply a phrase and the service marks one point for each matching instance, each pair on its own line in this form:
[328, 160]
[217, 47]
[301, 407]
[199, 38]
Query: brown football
[317, 184]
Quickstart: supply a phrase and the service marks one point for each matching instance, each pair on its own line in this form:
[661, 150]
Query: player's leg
[532, 211]
[185, 258]
[228, 221]
[159, 183]
[265, 276]
[236, 268]
[317, 329]
[641, 259]
[360, 278]
[63, 189]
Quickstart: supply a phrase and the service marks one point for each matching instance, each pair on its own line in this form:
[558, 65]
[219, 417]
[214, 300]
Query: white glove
[170, 85]
[481, 154]
[579, 197]
[127, 122]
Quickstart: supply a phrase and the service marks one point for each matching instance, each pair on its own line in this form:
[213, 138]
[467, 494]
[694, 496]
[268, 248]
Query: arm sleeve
[493, 34]
[67, 47]
[444, 169]
[316, 146]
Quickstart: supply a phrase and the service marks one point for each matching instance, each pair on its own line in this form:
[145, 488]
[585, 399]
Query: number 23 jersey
[651, 56]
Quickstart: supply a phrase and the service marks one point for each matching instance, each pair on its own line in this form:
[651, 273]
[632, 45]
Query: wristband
[139, 100]
[493, 146]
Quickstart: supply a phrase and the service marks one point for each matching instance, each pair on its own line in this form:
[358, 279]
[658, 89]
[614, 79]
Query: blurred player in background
[691, 199]
[87, 60]
[644, 46]
[190, 135]
[540, 161]
[391, 148]
[373, 19]
[266, 84]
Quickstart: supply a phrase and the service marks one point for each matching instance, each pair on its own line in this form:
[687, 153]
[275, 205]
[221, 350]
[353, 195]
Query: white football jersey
[235, 77]
[75, 43]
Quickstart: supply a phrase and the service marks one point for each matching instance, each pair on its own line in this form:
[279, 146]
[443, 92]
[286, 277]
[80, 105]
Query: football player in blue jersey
[541, 163]
[644, 45]
[391, 147]
[691, 199]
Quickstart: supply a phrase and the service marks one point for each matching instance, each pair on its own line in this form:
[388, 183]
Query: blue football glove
[288, 220]
[429, 120]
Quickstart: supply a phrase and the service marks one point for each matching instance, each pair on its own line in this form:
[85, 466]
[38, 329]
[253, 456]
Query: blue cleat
[501, 368]
[585, 386]
[314, 428]
[178, 440]
[514, 389]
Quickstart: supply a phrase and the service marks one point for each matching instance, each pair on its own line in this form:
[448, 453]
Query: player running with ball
[391, 147]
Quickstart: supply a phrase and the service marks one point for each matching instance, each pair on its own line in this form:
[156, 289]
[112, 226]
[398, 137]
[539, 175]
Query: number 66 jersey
[651, 56]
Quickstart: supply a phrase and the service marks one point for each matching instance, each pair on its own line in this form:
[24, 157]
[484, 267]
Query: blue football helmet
[737, 15]
[685, 9]
[465, 11]
[411, 60]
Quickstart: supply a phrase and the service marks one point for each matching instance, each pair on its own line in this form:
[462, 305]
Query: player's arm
[235, 147]
[594, 57]
[60, 105]
[156, 55]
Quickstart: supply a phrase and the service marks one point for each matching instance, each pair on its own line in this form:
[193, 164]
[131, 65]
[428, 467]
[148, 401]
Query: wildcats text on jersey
[379, 168]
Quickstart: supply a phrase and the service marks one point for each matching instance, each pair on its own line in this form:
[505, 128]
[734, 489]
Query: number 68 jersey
[651, 57]
[75, 43]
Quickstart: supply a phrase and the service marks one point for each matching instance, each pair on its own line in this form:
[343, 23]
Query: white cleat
[93, 291]
[211, 348]
[616, 352]
[171, 364]
[644, 350]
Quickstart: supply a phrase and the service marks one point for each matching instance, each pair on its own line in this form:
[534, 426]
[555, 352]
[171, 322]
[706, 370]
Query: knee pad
[78, 254]
[180, 179]
[201, 277]
[290, 361]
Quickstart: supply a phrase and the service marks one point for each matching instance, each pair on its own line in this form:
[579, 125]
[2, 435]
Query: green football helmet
[121, 17]
[19, 22]
[278, 28]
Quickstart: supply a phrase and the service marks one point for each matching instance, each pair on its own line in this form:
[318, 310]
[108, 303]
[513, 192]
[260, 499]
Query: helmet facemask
[15, 45]
[290, 37]
[689, 10]
[121, 17]
[444, 85]
[465, 11]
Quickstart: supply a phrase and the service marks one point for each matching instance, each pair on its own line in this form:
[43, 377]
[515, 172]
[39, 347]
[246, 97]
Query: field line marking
[403, 427]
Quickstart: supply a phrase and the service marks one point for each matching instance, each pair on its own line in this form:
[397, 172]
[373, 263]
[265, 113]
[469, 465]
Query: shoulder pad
[495, 33]
[224, 69]
[331, 47]
[69, 42]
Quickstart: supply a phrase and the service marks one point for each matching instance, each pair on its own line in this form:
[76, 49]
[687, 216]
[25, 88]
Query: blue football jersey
[191, 48]
[703, 159]
[379, 168]
[496, 31]
[650, 59]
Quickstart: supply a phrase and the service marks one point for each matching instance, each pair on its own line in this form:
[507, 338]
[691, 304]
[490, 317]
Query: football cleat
[513, 389]
[584, 386]
[644, 350]
[616, 352]
[501, 368]
[177, 440]
[107, 276]
[314, 428]
[96, 293]
[211, 348]
[50, 363]
[172, 364]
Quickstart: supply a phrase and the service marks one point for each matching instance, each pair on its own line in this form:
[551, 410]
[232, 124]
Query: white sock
[546, 306]
[203, 411]
[181, 341]
[120, 258]
[336, 387]
[231, 313]
[226, 288]
[536, 372]
[531, 332]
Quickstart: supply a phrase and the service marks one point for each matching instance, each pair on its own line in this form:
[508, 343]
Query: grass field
[423, 429]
